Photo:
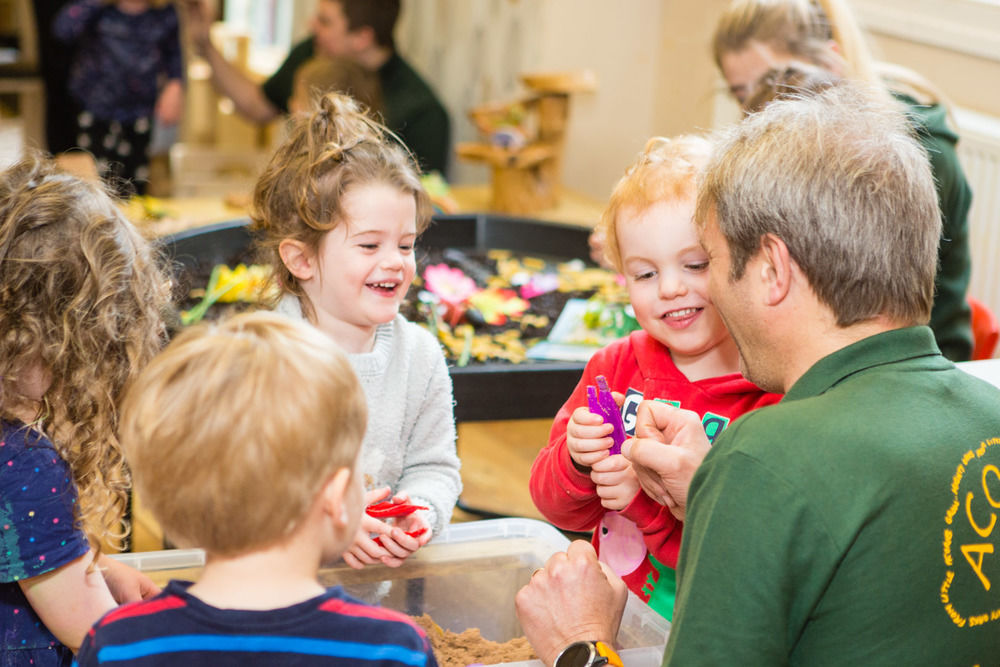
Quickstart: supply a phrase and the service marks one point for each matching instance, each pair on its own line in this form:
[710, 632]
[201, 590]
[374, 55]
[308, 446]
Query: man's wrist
[588, 654]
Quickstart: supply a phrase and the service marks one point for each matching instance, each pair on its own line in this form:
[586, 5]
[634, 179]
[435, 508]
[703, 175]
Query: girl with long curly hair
[81, 305]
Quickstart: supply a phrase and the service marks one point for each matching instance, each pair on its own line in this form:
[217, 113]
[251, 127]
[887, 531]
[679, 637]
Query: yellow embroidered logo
[970, 539]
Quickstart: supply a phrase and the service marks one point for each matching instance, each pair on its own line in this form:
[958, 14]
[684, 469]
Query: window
[268, 23]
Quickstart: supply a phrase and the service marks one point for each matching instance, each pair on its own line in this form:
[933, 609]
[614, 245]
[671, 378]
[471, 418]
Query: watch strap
[588, 654]
[609, 654]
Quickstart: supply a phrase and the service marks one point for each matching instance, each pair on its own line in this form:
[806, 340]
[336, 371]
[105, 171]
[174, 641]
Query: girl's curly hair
[82, 299]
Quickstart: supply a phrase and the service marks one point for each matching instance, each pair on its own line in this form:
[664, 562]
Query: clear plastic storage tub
[466, 577]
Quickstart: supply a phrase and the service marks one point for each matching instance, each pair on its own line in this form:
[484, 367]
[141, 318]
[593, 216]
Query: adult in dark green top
[855, 522]
[361, 30]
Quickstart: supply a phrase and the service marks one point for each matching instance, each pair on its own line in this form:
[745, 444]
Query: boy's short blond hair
[232, 430]
[666, 170]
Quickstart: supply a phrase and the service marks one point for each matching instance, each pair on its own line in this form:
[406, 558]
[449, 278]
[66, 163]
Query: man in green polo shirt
[362, 31]
[855, 522]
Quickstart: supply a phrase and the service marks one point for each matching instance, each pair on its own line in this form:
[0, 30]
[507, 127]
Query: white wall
[652, 59]
[471, 51]
[620, 42]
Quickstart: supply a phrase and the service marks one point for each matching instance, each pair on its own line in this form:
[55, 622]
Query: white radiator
[979, 153]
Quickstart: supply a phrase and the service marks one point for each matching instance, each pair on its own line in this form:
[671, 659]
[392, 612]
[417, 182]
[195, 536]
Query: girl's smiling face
[666, 272]
[365, 265]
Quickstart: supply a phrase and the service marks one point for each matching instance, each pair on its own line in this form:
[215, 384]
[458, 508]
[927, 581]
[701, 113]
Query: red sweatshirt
[641, 542]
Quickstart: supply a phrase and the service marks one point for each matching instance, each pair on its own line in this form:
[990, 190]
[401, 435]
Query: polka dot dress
[37, 535]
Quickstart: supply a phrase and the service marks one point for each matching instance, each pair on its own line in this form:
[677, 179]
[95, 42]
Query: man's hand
[668, 447]
[198, 22]
[573, 598]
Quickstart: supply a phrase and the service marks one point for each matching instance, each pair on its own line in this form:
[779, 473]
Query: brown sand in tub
[470, 647]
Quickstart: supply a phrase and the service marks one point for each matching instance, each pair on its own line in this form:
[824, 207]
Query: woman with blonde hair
[754, 37]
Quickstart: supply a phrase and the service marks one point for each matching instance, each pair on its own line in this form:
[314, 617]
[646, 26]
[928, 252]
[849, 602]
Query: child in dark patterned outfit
[81, 303]
[126, 76]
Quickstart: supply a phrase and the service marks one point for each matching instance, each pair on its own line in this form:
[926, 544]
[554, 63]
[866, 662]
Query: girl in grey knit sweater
[337, 212]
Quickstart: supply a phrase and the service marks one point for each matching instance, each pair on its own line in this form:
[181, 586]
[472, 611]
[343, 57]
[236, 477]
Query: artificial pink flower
[540, 283]
[450, 285]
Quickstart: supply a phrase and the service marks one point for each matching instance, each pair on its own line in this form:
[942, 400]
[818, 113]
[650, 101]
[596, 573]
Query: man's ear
[298, 258]
[775, 269]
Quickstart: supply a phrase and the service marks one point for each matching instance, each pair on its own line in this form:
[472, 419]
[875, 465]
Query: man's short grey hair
[840, 177]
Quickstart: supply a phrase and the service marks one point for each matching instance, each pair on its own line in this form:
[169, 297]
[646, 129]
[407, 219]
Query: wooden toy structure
[523, 141]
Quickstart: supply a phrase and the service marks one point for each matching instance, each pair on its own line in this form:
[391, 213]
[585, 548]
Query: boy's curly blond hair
[666, 170]
[82, 299]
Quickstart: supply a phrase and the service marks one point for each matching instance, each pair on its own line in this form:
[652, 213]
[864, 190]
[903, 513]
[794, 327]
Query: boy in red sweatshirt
[683, 355]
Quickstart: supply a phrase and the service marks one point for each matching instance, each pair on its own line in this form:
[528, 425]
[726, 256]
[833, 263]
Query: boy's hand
[617, 483]
[364, 550]
[588, 438]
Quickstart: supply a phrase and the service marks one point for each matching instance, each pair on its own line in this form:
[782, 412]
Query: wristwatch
[587, 654]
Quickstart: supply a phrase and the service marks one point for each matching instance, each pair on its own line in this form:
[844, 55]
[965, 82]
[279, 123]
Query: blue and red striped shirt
[332, 629]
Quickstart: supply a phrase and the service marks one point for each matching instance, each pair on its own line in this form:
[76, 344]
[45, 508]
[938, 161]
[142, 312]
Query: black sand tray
[483, 391]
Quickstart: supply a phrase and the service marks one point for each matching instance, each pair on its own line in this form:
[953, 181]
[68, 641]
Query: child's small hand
[377, 495]
[587, 437]
[125, 583]
[365, 551]
[617, 483]
[388, 542]
[597, 241]
[405, 537]
[170, 103]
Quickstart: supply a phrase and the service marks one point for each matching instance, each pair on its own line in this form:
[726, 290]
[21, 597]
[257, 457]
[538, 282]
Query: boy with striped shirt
[243, 439]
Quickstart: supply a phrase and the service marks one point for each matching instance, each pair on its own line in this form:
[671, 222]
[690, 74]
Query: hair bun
[341, 124]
